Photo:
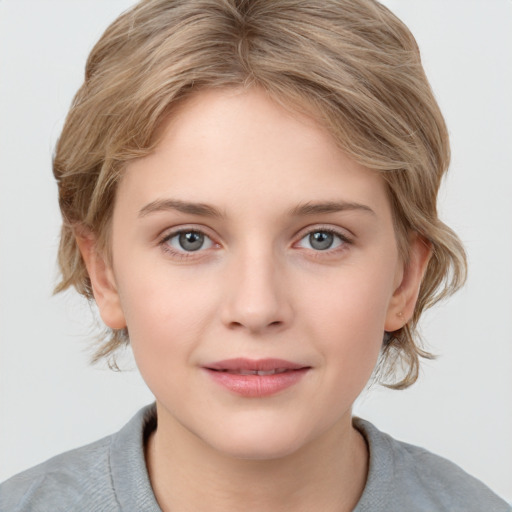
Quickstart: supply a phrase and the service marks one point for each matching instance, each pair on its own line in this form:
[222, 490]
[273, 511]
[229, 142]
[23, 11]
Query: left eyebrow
[312, 208]
[160, 205]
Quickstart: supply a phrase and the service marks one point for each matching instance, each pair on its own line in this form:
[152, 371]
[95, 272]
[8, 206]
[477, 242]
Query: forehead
[240, 148]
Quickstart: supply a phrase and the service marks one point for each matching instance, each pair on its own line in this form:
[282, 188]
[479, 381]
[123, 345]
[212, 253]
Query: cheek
[165, 313]
[347, 318]
[353, 301]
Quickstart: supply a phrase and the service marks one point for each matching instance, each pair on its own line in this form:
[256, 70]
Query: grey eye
[321, 240]
[190, 241]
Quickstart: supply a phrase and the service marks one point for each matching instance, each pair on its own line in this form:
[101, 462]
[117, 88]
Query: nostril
[240, 325]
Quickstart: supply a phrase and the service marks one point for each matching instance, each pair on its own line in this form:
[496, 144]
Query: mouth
[241, 371]
[256, 378]
[245, 366]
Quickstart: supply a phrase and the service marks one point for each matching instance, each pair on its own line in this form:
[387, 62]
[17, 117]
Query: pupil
[191, 241]
[321, 240]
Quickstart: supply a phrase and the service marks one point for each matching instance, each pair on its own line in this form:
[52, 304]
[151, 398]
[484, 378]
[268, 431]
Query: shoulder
[406, 477]
[63, 482]
[109, 474]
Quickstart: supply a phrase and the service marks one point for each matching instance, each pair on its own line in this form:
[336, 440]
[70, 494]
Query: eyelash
[344, 239]
[182, 255]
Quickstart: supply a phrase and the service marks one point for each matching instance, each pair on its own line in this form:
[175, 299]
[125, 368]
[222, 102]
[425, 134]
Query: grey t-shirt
[110, 475]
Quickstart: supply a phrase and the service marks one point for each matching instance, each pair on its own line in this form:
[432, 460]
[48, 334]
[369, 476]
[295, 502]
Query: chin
[260, 449]
[258, 441]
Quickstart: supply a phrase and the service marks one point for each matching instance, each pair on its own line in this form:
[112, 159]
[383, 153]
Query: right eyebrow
[162, 205]
[315, 208]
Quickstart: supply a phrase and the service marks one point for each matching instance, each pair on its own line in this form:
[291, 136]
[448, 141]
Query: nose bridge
[257, 297]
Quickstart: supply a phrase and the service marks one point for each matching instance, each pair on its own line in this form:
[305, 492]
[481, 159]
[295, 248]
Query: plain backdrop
[51, 400]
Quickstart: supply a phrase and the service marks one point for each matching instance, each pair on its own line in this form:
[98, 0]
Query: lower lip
[254, 386]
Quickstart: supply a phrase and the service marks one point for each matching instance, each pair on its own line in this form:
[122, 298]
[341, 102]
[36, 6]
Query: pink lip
[235, 375]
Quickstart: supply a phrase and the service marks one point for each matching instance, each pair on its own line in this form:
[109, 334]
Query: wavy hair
[351, 63]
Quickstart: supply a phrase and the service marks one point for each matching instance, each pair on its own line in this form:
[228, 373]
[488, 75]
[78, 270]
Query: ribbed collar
[133, 488]
[379, 488]
[128, 467]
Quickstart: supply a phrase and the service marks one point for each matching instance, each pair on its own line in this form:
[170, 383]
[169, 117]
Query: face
[256, 268]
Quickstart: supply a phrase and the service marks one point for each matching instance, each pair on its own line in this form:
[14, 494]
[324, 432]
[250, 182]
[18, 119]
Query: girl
[249, 195]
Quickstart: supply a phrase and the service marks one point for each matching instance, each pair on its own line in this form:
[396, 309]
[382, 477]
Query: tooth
[256, 372]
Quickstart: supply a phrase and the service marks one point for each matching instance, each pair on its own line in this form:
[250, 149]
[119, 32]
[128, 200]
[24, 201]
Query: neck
[328, 474]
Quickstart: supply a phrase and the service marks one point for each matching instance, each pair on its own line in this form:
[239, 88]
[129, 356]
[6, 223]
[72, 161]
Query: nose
[256, 294]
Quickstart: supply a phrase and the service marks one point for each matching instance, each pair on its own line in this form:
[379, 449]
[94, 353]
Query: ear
[102, 280]
[409, 277]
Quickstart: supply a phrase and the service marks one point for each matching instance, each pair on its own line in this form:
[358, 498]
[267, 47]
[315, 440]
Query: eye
[188, 241]
[322, 240]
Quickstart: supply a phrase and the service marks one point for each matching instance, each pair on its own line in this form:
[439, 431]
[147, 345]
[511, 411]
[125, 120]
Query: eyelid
[343, 243]
[170, 233]
[346, 237]
[207, 242]
[343, 233]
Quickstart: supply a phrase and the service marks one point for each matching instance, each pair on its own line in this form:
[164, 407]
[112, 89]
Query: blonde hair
[350, 62]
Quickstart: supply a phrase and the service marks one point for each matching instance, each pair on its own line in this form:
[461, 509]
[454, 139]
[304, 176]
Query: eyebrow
[206, 210]
[315, 208]
[161, 205]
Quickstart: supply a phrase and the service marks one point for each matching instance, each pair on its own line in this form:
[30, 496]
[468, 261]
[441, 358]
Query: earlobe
[102, 280]
[405, 296]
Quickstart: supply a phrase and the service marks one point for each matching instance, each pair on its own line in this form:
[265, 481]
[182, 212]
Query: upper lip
[254, 365]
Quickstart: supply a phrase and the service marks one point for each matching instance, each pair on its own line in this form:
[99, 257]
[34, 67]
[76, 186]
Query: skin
[257, 288]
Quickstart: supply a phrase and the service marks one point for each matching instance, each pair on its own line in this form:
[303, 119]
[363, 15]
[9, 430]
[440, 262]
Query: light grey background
[51, 400]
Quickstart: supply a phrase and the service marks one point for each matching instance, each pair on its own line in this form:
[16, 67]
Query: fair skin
[293, 258]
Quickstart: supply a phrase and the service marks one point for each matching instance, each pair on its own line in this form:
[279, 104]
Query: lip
[256, 377]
